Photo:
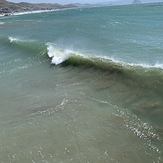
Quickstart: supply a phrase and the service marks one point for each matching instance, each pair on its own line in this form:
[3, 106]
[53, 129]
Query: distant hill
[136, 2]
[10, 7]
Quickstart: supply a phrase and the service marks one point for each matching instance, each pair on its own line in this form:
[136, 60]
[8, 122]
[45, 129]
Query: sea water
[82, 85]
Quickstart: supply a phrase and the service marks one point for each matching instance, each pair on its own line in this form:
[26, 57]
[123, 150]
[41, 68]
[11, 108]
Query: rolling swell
[140, 89]
[27, 46]
[4, 43]
[144, 76]
[149, 78]
[17, 54]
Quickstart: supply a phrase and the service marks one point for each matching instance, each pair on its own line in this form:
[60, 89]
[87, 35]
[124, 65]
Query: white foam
[58, 55]
[16, 39]
[13, 39]
[1, 23]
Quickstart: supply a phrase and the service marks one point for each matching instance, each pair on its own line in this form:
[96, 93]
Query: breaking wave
[146, 76]
[69, 56]
[143, 74]
[59, 56]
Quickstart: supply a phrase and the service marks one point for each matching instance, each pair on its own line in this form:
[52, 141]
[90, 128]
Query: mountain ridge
[7, 7]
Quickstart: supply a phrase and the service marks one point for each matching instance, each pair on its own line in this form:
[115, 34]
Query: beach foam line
[32, 12]
[38, 11]
[28, 12]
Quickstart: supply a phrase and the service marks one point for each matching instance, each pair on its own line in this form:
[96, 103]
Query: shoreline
[32, 12]
[10, 8]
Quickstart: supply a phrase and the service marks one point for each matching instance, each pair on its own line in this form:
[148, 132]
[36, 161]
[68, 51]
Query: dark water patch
[133, 76]
[106, 82]
[130, 87]
[96, 63]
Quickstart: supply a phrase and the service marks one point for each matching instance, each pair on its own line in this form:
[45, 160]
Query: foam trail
[143, 65]
[156, 65]
[15, 39]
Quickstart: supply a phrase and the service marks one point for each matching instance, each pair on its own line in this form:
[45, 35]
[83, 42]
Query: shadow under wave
[148, 78]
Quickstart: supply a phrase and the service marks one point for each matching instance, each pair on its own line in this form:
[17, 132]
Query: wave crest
[14, 39]
[58, 55]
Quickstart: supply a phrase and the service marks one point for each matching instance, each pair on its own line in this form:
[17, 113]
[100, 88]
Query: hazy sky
[75, 1]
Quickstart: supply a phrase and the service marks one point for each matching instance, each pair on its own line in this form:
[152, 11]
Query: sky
[75, 1]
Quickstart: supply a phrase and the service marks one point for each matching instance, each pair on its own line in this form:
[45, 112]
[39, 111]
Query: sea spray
[14, 39]
[58, 55]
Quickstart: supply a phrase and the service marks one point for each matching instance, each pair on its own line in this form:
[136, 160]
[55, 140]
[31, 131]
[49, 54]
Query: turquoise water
[82, 85]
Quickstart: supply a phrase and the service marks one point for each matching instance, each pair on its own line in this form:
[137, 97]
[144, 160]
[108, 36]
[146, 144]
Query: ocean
[82, 86]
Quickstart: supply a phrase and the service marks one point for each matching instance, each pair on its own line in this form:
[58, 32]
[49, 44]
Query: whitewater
[82, 85]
